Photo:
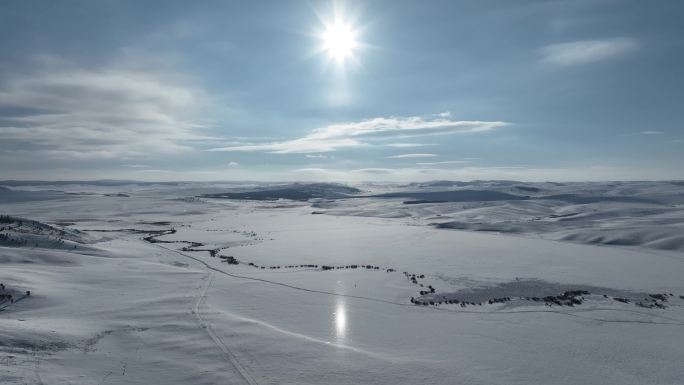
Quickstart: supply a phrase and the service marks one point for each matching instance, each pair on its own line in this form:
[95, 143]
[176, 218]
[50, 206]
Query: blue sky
[219, 90]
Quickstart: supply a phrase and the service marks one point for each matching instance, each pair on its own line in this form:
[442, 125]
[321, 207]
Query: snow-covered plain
[130, 284]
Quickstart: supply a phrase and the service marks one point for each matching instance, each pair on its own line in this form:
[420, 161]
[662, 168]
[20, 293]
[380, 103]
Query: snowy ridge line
[215, 337]
[505, 312]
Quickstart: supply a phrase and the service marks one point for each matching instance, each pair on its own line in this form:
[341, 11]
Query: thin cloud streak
[461, 173]
[403, 156]
[357, 134]
[587, 51]
[409, 145]
[443, 162]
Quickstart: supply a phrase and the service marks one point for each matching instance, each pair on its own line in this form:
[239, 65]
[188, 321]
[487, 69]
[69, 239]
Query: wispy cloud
[233, 164]
[402, 156]
[345, 135]
[78, 114]
[587, 51]
[652, 132]
[443, 162]
[409, 145]
[375, 170]
[156, 171]
[316, 156]
[311, 169]
[519, 172]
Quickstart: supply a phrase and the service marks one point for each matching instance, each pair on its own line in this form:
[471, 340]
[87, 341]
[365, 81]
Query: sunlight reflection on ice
[340, 319]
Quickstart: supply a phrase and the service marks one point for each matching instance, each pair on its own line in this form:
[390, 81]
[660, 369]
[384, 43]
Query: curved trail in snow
[215, 337]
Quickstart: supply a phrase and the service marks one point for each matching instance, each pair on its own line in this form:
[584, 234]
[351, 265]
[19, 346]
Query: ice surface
[108, 307]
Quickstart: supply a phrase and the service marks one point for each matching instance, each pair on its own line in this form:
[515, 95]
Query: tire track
[215, 337]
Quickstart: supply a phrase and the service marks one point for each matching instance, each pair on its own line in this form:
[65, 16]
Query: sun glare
[339, 40]
[340, 320]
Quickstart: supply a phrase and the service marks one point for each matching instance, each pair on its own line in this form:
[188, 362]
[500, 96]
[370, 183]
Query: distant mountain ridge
[295, 191]
[453, 196]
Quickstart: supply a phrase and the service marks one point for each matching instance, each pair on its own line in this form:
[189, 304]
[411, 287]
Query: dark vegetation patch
[19, 232]
[453, 196]
[195, 246]
[296, 192]
[498, 227]
[7, 219]
[9, 296]
[231, 260]
[528, 188]
[520, 291]
[563, 215]
[421, 201]
[537, 291]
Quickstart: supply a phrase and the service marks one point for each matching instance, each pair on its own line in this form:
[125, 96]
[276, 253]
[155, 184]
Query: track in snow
[215, 337]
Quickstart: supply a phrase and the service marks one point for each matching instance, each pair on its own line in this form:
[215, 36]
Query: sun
[339, 40]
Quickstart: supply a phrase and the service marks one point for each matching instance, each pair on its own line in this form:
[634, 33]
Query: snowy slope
[141, 299]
